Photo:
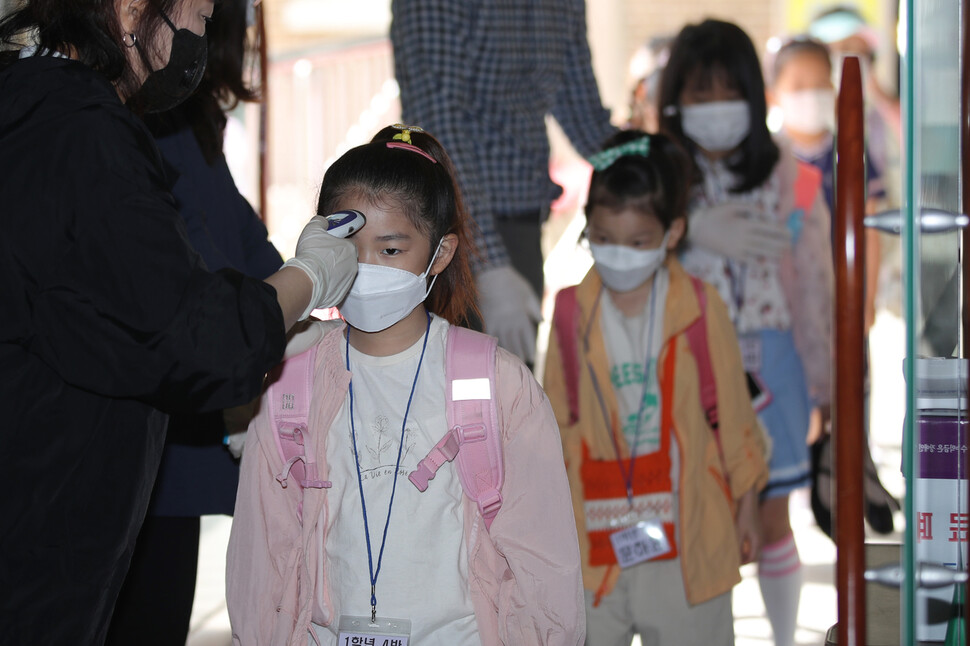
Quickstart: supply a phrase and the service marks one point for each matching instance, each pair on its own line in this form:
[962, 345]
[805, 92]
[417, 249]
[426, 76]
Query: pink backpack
[473, 437]
[808, 181]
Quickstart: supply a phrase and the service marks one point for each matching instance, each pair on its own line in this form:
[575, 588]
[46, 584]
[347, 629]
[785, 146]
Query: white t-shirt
[629, 340]
[424, 571]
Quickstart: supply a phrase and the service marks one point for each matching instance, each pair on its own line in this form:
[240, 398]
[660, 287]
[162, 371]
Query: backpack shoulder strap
[697, 340]
[474, 435]
[289, 395]
[565, 322]
[807, 182]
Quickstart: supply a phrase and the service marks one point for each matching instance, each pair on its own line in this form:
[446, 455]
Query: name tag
[361, 631]
[470, 389]
[644, 541]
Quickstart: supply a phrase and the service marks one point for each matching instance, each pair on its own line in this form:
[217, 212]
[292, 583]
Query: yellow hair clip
[405, 134]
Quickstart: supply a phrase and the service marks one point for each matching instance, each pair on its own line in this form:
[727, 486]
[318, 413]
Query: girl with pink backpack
[418, 495]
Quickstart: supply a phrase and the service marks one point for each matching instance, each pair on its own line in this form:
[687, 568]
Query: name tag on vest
[644, 541]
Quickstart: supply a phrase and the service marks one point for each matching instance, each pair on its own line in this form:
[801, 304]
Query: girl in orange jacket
[665, 505]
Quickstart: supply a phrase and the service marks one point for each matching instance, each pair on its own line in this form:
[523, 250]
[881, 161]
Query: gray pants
[649, 600]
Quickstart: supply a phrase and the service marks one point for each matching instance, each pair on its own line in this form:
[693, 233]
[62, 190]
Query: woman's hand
[736, 230]
[329, 262]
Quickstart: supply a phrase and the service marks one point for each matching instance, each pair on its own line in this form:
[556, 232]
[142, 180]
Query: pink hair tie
[412, 148]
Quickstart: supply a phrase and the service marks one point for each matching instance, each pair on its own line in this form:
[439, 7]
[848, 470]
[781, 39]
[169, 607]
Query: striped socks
[780, 577]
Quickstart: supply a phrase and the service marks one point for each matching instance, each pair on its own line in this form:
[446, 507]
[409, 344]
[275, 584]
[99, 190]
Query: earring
[133, 40]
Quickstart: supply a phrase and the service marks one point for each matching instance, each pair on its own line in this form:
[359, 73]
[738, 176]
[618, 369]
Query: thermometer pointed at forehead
[344, 223]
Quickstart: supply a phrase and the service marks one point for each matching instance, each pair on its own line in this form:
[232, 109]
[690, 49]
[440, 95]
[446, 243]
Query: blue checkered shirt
[481, 75]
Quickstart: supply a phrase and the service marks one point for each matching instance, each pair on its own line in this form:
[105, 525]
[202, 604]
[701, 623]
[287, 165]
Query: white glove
[330, 262]
[236, 420]
[235, 442]
[736, 230]
[510, 310]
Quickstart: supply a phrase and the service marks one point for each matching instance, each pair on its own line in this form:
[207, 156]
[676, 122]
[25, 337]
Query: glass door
[934, 440]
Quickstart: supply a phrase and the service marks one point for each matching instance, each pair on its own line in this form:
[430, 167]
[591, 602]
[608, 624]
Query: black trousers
[522, 235]
[155, 604]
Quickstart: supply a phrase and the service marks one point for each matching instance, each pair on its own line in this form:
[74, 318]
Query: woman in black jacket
[110, 319]
[197, 475]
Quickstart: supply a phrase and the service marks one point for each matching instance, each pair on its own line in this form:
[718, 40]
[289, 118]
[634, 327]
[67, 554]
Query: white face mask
[718, 126]
[810, 112]
[381, 296]
[623, 268]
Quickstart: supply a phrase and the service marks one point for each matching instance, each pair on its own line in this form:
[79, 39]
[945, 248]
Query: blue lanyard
[628, 473]
[360, 482]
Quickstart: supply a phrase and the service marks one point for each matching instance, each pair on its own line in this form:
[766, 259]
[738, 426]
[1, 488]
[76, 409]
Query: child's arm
[812, 299]
[873, 260]
[748, 527]
[263, 546]
[540, 601]
[742, 439]
[554, 379]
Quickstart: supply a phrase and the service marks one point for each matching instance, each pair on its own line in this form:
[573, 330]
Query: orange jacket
[710, 555]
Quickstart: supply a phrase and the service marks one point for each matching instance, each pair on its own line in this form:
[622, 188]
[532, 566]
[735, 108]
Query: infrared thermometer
[343, 223]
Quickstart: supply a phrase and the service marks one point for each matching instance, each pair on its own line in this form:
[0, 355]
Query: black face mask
[166, 88]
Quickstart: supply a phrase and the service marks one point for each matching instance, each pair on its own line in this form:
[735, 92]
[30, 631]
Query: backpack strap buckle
[444, 451]
[470, 433]
[489, 504]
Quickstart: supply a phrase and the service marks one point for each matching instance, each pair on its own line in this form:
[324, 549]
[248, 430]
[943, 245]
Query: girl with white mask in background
[759, 232]
[302, 563]
[647, 469]
[800, 86]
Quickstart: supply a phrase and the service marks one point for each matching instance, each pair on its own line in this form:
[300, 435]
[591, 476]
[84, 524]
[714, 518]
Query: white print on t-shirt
[381, 448]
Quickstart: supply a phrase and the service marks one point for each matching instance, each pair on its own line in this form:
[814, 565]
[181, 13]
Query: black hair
[717, 49]
[655, 183]
[794, 47]
[89, 29]
[224, 84]
[427, 193]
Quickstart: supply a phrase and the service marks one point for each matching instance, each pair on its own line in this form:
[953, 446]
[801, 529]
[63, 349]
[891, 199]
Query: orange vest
[606, 503]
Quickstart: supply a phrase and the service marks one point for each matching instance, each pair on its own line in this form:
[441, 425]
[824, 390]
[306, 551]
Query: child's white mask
[381, 296]
[808, 111]
[717, 126]
[623, 268]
